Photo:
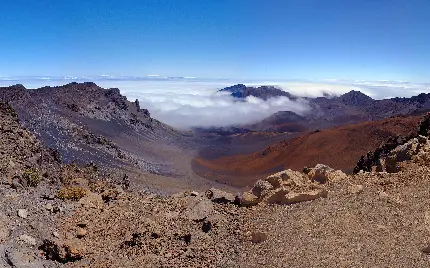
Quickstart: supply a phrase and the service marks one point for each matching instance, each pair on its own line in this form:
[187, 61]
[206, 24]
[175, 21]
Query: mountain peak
[241, 91]
[355, 98]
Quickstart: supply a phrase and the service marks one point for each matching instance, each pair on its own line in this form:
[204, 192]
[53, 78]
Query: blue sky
[366, 39]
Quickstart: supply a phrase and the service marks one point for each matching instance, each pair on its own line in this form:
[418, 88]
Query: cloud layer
[191, 102]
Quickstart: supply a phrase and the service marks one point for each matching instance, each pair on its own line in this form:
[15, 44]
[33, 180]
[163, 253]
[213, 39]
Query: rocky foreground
[54, 215]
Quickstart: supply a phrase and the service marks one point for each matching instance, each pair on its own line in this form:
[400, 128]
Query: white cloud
[185, 102]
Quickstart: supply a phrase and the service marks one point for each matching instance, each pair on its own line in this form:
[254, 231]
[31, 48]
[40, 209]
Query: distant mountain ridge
[349, 108]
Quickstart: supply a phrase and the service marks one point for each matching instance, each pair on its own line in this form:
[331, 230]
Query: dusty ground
[385, 225]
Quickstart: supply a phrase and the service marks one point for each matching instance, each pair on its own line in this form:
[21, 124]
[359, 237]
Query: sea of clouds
[186, 102]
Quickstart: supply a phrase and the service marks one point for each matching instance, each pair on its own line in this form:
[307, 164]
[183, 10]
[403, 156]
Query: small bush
[32, 177]
[72, 193]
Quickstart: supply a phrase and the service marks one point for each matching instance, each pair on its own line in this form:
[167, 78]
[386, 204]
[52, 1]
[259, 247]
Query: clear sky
[270, 39]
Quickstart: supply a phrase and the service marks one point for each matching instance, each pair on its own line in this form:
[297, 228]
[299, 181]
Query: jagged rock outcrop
[397, 149]
[323, 174]
[404, 152]
[424, 127]
[287, 187]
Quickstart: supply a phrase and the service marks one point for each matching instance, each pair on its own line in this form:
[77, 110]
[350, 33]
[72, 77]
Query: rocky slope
[89, 124]
[78, 217]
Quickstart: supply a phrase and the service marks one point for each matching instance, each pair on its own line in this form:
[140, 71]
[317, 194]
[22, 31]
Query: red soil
[338, 147]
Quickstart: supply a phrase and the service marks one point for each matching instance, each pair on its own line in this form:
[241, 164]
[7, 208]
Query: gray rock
[49, 207]
[16, 184]
[23, 213]
[27, 239]
[199, 209]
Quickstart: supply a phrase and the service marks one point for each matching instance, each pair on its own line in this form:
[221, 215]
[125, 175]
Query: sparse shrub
[32, 177]
[71, 193]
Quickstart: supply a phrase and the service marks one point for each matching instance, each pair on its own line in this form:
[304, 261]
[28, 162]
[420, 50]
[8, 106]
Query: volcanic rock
[323, 173]
[285, 187]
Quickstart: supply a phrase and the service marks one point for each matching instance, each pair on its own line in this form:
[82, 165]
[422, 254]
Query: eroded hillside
[338, 147]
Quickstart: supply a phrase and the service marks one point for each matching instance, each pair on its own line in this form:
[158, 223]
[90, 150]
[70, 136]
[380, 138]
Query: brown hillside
[338, 147]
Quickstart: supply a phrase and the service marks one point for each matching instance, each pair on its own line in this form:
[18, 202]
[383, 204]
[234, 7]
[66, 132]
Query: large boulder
[323, 174]
[285, 187]
[414, 149]
[287, 177]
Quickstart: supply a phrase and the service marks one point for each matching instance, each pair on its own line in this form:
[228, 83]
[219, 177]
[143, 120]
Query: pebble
[56, 234]
[81, 233]
[49, 207]
[23, 213]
